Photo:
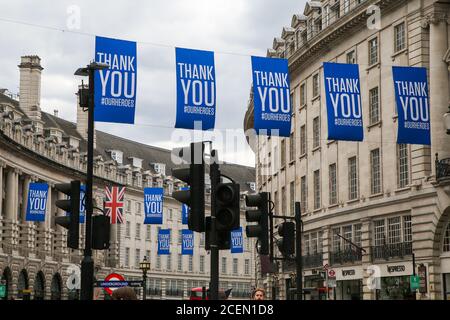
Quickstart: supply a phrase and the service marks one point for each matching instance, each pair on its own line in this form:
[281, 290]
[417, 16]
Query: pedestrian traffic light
[286, 244]
[227, 205]
[261, 215]
[72, 207]
[223, 237]
[101, 230]
[194, 175]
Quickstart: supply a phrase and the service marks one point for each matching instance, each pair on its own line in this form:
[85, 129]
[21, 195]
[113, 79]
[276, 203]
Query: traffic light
[227, 205]
[101, 230]
[261, 215]
[72, 207]
[223, 237]
[194, 175]
[286, 244]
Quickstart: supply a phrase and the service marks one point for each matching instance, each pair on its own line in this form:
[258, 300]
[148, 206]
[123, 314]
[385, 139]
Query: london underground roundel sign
[112, 278]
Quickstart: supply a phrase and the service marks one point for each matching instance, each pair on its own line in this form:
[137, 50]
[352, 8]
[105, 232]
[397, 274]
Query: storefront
[349, 283]
[314, 285]
[445, 269]
[395, 282]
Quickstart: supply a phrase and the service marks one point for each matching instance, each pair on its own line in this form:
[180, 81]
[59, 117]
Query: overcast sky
[241, 27]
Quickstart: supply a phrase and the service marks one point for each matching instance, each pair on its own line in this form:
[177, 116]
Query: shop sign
[414, 282]
[348, 272]
[422, 273]
[399, 268]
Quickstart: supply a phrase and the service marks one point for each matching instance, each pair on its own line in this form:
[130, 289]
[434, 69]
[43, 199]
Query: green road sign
[414, 282]
[2, 290]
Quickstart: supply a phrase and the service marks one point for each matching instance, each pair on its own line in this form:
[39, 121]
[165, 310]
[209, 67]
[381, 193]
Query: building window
[336, 240]
[137, 258]
[394, 230]
[332, 184]
[191, 263]
[283, 153]
[314, 243]
[283, 200]
[128, 229]
[315, 85]
[373, 51]
[352, 179]
[292, 147]
[202, 264]
[303, 140]
[326, 16]
[351, 57]
[127, 257]
[275, 201]
[235, 266]
[375, 181]
[400, 37]
[380, 238]
[303, 94]
[307, 246]
[292, 197]
[316, 132]
[138, 230]
[202, 239]
[224, 265]
[317, 203]
[402, 165]
[180, 236]
[374, 106]
[407, 229]
[292, 100]
[347, 234]
[346, 6]
[158, 262]
[169, 262]
[357, 234]
[148, 235]
[275, 159]
[138, 207]
[247, 266]
[446, 247]
[128, 205]
[304, 191]
[180, 263]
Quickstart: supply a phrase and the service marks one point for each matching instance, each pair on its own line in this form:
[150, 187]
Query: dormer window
[136, 162]
[160, 168]
[117, 156]
[57, 134]
[252, 186]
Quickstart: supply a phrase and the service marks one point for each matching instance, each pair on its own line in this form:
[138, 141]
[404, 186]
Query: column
[368, 294]
[439, 85]
[2, 214]
[11, 191]
[26, 188]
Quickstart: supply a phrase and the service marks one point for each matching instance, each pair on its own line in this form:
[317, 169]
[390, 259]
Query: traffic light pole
[298, 250]
[87, 265]
[215, 180]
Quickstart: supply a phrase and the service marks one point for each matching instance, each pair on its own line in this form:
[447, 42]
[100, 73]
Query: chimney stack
[30, 86]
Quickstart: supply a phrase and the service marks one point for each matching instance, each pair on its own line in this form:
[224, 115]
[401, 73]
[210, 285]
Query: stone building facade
[392, 200]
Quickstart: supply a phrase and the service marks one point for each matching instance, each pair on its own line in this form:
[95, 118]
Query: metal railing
[345, 256]
[313, 260]
[154, 292]
[388, 251]
[442, 168]
[174, 292]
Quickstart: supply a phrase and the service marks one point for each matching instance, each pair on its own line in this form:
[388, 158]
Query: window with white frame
[446, 243]
[357, 234]
[314, 243]
[127, 257]
[317, 200]
[402, 165]
[128, 205]
[147, 254]
[374, 106]
[373, 51]
[138, 207]
[247, 266]
[303, 140]
[180, 263]
[352, 179]
[347, 234]
[169, 262]
[400, 37]
[148, 235]
[292, 147]
[346, 6]
[224, 265]
[128, 229]
[351, 57]
[336, 239]
[292, 197]
[316, 132]
[180, 236]
[375, 177]
[283, 152]
[394, 230]
[138, 230]
[303, 94]
[137, 258]
[191, 263]
[379, 232]
[326, 16]
[304, 192]
[202, 264]
[332, 175]
[407, 227]
[316, 85]
[307, 245]
[235, 266]
[158, 262]
[283, 200]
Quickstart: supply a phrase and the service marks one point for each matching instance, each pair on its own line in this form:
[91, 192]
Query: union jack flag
[114, 204]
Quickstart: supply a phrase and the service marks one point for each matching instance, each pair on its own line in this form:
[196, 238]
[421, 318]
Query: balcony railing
[345, 256]
[154, 292]
[174, 292]
[313, 260]
[442, 168]
[388, 251]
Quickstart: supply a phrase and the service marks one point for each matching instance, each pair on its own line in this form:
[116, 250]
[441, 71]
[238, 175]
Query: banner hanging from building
[82, 203]
[184, 210]
[196, 89]
[413, 109]
[343, 97]
[271, 96]
[164, 241]
[37, 202]
[187, 242]
[115, 87]
[153, 205]
[237, 241]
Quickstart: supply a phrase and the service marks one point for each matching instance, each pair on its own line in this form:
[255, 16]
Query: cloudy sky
[233, 29]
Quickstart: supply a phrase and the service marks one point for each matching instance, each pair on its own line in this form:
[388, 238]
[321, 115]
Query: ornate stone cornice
[434, 18]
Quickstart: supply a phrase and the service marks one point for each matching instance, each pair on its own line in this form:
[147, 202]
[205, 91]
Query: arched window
[6, 279]
[22, 284]
[446, 247]
[56, 287]
[39, 286]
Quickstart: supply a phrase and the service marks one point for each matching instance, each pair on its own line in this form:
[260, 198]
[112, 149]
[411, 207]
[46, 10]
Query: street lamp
[144, 266]
[447, 120]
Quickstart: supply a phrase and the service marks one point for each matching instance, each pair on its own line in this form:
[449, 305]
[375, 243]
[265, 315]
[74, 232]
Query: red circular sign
[331, 273]
[113, 277]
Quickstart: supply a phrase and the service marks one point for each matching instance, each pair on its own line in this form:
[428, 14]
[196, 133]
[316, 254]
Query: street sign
[2, 291]
[331, 283]
[113, 277]
[326, 267]
[414, 282]
[331, 273]
[118, 284]
[422, 273]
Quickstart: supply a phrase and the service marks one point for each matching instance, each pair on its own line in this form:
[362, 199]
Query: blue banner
[164, 241]
[271, 96]
[411, 93]
[237, 241]
[196, 89]
[187, 242]
[343, 97]
[115, 87]
[82, 203]
[153, 205]
[37, 202]
[184, 210]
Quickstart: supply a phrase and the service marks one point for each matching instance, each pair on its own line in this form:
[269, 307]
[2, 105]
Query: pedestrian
[124, 293]
[259, 294]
